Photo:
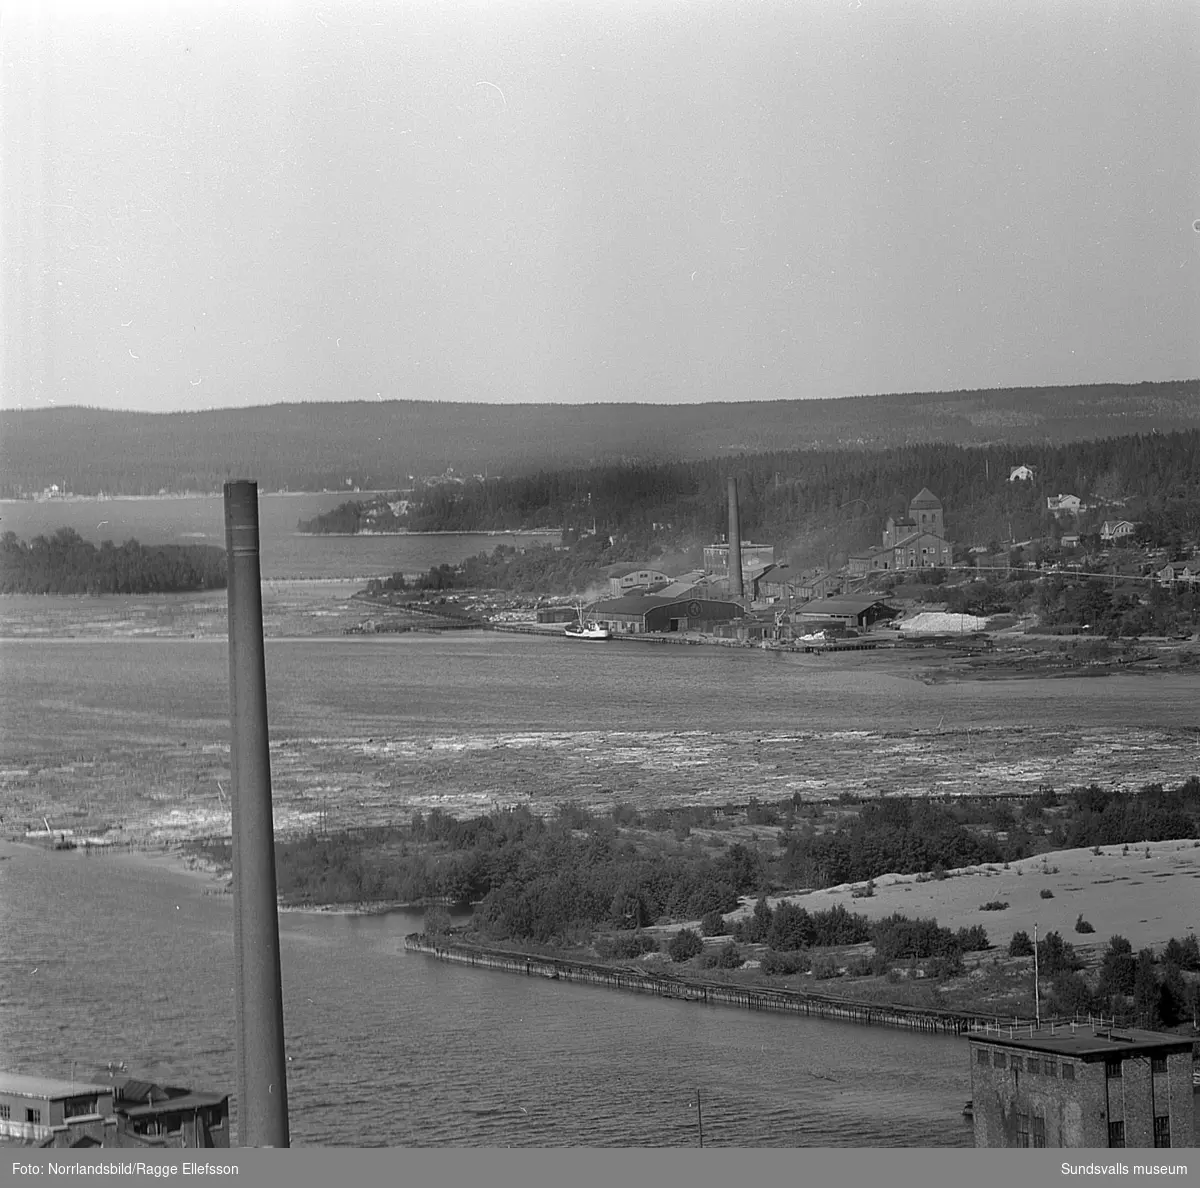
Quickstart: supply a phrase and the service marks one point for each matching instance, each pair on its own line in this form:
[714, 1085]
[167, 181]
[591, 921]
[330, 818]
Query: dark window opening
[1039, 1131]
[1162, 1132]
[1001, 1059]
[1116, 1134]
[33, 1115]
[1158, 1064]
[1068, 1072]
[1112, 1068]
[5, 1111]
[1033, 1065]
[981, 1056]
[1022, 1130]
[1016, 1064]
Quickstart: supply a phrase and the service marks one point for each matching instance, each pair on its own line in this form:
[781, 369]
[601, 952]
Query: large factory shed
[638, 614]
[853, 612]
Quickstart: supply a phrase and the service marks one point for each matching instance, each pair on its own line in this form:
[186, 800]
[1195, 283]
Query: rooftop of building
[925, 498]
[51, 1088]
[643, 604]
[1084, 1040]
[175, 1105]
[842, 606]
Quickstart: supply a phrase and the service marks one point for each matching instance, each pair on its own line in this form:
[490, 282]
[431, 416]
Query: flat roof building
[44, 1112]
[31, 1107]
[1078, 1085]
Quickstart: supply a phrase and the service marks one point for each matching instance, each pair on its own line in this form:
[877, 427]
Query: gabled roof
[925, 498]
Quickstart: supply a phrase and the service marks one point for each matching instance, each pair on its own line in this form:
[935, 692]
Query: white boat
[587, 630]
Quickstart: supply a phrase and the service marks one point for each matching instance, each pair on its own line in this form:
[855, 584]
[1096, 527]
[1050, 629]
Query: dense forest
[378, 445]
[838, 497]
[65, 563]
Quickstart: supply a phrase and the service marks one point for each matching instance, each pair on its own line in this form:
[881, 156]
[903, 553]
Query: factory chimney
[258, 991]
[735, 543]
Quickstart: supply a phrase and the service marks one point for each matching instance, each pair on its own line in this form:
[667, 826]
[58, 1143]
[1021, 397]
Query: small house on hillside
[1178, 572]
[1114, 530]
[1021, 474]
[1064, 504]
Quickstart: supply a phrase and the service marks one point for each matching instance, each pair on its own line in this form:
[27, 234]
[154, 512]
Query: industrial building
[44, 1112]
[625, 579]
[754, 557]
[1071, 1085]
[915, 541]
[859, 612]
[638, 614]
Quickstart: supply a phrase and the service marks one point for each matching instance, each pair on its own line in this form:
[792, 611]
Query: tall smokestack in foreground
[735, 543]
[258, 990]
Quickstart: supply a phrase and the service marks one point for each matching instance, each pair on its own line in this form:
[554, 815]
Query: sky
[218, 204]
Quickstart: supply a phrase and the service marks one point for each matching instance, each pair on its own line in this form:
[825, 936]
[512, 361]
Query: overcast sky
[215, 204]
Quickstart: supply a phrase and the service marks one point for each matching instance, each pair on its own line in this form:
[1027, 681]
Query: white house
[1063, 503]
[1113, 530]
[1020, 473]
[1178, 571]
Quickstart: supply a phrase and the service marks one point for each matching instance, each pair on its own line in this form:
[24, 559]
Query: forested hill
[377, 445]
[786, 495]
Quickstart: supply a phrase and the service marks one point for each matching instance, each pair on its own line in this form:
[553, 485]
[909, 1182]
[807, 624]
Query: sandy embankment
[1145, 900]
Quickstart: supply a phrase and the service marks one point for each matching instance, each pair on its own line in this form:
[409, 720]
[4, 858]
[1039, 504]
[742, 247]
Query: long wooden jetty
[754, 998]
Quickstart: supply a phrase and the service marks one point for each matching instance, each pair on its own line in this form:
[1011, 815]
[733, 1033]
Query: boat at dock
[587, 631]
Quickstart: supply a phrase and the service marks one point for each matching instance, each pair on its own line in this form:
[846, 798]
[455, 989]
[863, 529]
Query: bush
[730, 957]
[824, 966]
[1081, 925]
[994, 905]
[629, 945]
[1021, 945]
[1046, 893]
[713, 924]
[783, 964]
[685, 945]
[944, 965]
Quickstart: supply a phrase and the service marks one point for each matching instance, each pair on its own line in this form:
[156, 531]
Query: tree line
[783, 494]
[65, 563]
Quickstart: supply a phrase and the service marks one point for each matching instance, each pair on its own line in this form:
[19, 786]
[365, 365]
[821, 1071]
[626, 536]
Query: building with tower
[913, 541]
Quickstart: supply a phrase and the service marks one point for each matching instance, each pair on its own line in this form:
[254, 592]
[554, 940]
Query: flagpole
[1037, 990]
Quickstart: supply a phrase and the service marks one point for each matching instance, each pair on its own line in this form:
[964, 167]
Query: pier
[664, 985]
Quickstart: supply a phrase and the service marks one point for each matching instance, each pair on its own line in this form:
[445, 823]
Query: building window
[1112, 1069]
[1116, 1134]
[1068, 1071]
[1022, 1130]
[1158, 1064]
[1039, 1131]
[981, 1056]
[1001, 1060]
[1033, 1065]
[1162, 1132]
[33, 1115]
[1015, 1065]
[5, 1111]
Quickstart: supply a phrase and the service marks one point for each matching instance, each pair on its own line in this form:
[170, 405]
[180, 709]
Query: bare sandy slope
[1146, 900]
